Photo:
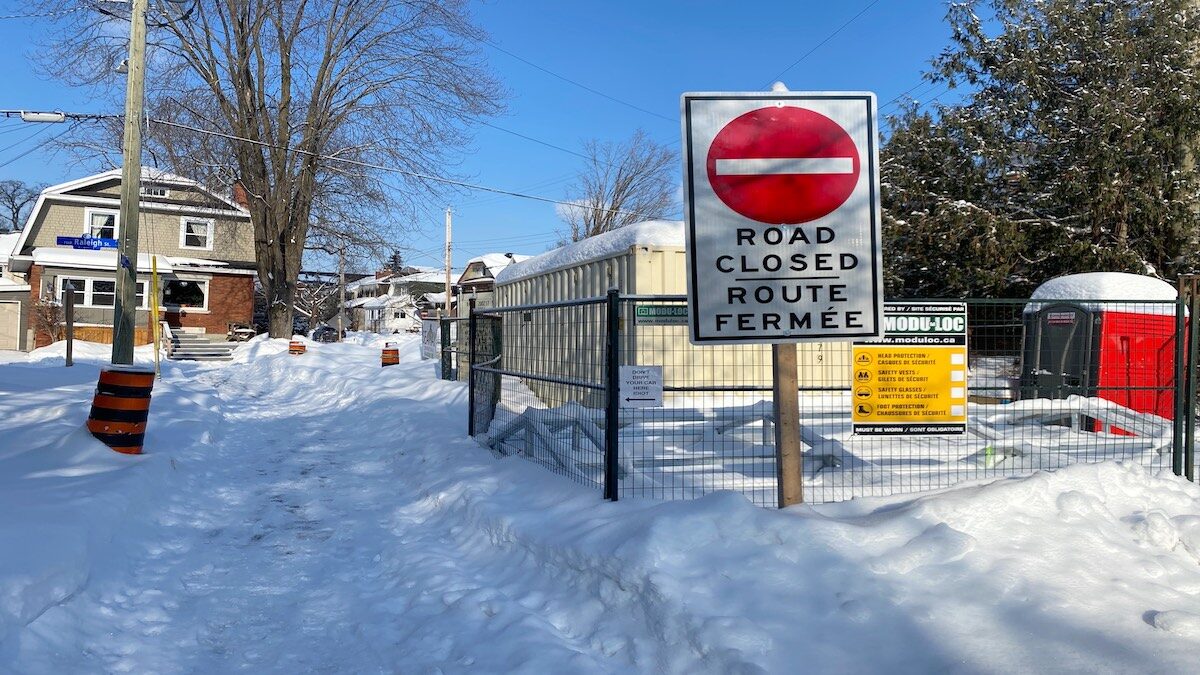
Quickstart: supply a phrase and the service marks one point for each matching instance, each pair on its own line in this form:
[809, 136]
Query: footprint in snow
[936, 545]
[1177, 621]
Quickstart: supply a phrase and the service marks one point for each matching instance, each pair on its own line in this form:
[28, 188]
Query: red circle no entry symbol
[783, 165]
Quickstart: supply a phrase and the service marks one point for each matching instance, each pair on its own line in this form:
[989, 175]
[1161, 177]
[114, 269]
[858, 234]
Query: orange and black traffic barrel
[120, 408]
[391, 354]
[296, 347]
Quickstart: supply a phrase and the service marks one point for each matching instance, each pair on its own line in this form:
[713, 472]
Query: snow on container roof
[1108, 290]
[648, 233]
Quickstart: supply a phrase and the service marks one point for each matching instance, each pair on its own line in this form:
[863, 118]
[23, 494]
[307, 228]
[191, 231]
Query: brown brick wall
[230, 298]
[40, 338]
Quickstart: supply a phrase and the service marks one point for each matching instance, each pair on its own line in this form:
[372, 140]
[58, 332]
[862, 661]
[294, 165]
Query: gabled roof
[149, 174]
[421, 278]
[493, 263]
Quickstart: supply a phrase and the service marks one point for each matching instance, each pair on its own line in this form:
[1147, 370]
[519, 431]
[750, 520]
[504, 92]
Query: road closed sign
[782, 208]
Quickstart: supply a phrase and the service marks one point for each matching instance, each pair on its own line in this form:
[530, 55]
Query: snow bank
[323, 514]
[648, 233]
[71, 492]
[1111, 287]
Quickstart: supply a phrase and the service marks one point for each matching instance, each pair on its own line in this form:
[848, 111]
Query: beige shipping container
[646, 259]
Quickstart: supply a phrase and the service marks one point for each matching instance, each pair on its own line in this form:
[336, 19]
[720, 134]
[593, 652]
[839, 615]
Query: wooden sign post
[789, 465]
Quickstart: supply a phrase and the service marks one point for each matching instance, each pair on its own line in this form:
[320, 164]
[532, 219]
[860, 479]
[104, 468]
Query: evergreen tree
[395, 262]
[1071, 153]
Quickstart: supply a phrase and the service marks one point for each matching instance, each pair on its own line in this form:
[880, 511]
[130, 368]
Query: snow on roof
[107, 259]
[422, 277]
[436, 298]
[496, 262]
[358, 302]
[648, 233]
[376, 302]
[1090, 288]
[365, 281]
[10, 284]
[8, 242]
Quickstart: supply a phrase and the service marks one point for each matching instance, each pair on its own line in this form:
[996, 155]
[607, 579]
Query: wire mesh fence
[538, 386]
[1047, 384]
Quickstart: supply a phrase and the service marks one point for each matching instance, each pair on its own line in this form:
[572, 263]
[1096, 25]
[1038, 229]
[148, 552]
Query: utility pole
[341, 290]
[447, 261]
[125, 307]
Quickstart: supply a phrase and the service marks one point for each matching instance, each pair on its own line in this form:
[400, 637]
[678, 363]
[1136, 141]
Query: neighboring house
[478, 280]
[8, 241]
[392, 303]
[359, 293]
[407, 291]
[204, 243]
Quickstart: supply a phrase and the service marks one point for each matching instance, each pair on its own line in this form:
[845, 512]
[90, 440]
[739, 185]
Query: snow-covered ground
[322, 514]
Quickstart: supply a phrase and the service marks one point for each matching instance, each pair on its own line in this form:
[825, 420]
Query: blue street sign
[86, 242]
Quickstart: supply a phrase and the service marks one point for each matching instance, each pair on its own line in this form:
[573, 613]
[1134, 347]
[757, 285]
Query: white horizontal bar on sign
[784, 165]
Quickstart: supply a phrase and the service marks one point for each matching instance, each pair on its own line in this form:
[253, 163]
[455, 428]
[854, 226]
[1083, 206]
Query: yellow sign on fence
[914, 379]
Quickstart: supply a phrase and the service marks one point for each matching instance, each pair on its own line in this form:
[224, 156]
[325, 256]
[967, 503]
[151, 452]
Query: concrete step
[197, 348]
[203, 345]
[200, 357]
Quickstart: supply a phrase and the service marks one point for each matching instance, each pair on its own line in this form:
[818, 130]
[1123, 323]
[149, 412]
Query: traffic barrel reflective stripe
[390, 356]
[296, 347]
[120, 408]
[118, 378]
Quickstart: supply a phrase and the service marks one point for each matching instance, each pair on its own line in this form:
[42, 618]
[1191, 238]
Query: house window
[196, 233]
[185, 293]
[100, 223]
[398, 315]
[91, 292]
[154, 190]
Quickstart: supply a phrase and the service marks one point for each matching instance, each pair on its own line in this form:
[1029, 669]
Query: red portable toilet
[1088, 334]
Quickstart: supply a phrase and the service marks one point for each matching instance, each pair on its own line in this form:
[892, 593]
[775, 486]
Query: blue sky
[645, 53]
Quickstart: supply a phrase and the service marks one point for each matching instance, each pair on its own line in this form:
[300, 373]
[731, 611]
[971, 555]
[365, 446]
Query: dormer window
[153, 190]
[100, 223]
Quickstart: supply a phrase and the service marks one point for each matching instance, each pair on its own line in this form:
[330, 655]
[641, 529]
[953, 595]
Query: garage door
[10, 325]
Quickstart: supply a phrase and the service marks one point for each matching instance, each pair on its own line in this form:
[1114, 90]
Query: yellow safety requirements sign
[914, 379]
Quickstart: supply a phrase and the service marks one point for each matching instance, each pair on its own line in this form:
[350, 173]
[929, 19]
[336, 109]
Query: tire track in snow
[290, 546]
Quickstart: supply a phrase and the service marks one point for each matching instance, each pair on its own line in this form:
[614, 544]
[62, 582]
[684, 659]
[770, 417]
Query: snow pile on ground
[319, 513]
[620, 240]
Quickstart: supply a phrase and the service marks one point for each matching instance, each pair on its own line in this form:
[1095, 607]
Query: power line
[597, 92]
[822, 42]
[42, 15]
[531, 138]
[40, 145]
[392, 169]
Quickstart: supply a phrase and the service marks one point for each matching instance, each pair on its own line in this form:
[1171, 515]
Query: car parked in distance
[325, 334]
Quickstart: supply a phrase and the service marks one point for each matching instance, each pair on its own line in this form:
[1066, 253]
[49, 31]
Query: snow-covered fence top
[1107, 290]
[648, 233]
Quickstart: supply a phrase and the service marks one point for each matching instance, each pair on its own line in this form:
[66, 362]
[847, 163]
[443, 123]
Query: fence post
[1180, 392]
[69, 310]
[1187, 291]
[612, 403]
[444, 339]
[471, 323]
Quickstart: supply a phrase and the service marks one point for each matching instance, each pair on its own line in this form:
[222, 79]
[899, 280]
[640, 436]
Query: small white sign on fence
[641, 386]
[431, 339]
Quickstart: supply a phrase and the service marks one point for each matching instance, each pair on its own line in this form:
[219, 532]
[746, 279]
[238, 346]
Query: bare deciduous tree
[16, 198]
[297, 86]
[620, 184]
